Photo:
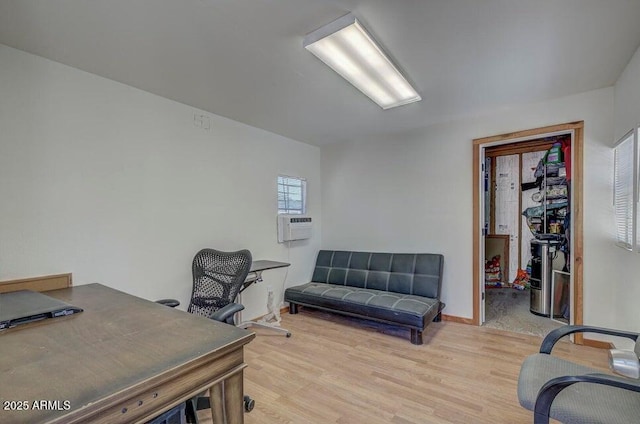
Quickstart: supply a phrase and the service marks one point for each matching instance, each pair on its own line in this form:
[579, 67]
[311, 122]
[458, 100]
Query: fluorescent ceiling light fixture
[346, 47]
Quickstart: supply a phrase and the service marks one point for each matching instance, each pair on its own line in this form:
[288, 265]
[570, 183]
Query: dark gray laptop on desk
[21, 307]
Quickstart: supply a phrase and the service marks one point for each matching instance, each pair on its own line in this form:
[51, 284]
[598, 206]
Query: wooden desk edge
[152, 397]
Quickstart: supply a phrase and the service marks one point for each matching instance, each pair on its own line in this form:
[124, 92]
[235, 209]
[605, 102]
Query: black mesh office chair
[217, 279]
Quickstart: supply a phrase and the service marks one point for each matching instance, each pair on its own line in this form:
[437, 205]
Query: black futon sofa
[395, 288]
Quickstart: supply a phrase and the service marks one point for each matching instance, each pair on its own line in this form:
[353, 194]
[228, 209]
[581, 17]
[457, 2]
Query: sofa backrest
[419, 274]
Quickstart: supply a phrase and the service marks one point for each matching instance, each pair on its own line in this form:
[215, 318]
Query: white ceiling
[243, 59]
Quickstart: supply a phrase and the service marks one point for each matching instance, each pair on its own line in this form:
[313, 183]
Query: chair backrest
[217, 279]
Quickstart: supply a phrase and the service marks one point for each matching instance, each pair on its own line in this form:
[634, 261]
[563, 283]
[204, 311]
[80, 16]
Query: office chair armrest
[226, 313]
[553, 387]
[555, 335]
[172, 303]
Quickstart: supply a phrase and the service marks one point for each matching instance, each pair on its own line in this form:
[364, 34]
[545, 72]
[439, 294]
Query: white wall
[627, 98]
[626, 279]
[413, 193]
[119, 187]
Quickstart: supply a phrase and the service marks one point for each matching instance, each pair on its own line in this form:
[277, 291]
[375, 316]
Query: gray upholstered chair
[571, 393]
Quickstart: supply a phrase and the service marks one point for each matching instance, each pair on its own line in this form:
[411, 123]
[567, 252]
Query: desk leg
[227, 401]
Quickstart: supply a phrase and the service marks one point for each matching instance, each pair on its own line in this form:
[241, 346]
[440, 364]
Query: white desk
[255, 276]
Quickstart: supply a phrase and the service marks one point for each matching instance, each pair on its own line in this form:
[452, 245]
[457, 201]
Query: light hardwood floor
[342, 370]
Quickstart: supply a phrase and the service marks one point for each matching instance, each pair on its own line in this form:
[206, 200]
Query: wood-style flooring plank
[343, 370]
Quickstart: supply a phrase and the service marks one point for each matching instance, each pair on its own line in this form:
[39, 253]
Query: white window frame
[284, 185]
[625, 190]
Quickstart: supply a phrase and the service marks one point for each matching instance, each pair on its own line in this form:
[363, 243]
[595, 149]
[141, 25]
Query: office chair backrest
[217, 279]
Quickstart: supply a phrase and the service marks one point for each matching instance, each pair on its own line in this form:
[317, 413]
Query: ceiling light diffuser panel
[346, 47]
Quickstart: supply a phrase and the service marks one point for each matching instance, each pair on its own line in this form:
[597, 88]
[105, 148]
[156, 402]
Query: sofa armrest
[555, 335]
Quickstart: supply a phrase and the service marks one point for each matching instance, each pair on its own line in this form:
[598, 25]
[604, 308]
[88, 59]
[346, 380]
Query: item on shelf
[533, 211]
[566, 153]
[535, 224]
[553, 169]
[556, 181]
[537, 211]
[530, 186]
[555, 228]
[562, 172]
[553, 209]
[537, 196]
[493, 272]
[554, 155]
[556, 191]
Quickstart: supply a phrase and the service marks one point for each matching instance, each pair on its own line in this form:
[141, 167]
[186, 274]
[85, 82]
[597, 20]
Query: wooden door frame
[576, 211]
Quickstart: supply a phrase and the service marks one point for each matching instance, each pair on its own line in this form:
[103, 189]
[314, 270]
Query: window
[624, 189]
[637, 187]
[292, 193]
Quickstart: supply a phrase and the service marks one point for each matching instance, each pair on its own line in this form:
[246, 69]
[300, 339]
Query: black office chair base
[266, 326]
[204, 402]
[248, 403]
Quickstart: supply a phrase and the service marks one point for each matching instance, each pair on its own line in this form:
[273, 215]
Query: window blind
[623, 191]
[636, 190]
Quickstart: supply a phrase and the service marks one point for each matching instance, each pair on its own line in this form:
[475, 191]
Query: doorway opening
[507, 236]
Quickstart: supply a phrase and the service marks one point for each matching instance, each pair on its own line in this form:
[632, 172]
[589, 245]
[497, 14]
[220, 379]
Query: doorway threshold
[508, 309]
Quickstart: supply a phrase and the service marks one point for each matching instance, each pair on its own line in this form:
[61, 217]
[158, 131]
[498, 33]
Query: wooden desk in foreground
[123, 360]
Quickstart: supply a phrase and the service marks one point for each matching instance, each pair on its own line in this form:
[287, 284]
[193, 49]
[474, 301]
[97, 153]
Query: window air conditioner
[294, 227]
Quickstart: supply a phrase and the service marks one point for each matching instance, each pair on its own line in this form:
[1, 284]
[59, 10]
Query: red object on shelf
[566, 152]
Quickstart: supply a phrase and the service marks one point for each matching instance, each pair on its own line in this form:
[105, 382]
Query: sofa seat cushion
[406, 309]
[580, 402]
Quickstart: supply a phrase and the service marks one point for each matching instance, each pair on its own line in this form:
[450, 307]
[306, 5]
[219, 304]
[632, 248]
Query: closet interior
[527, 234]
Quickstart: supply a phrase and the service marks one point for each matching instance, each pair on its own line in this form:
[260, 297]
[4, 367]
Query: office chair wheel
[249, 403]
[288, 334]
